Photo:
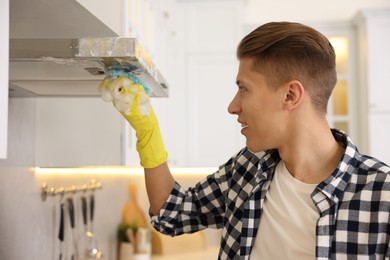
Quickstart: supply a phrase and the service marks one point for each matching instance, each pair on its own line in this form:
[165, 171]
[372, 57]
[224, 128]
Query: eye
[241, 88]
[120, 89]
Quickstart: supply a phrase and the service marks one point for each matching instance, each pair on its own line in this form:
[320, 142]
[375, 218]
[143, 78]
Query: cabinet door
[378, 62]
[4, 21]
[374, 66]
[213, 133]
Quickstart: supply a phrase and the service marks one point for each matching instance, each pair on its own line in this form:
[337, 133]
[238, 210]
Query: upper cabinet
[4, 22]
[374, 54]
[199, 60]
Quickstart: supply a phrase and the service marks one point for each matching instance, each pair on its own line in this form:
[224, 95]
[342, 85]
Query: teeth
[243, 126]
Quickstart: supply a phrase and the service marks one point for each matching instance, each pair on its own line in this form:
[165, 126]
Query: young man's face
[258, 107]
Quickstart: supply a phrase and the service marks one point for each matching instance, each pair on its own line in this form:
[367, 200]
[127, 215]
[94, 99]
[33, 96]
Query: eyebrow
[239, 82]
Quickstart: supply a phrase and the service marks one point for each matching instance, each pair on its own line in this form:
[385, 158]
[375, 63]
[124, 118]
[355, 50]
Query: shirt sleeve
[200, 207]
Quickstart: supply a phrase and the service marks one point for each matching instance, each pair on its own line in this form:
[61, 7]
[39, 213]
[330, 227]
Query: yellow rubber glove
[134, 104]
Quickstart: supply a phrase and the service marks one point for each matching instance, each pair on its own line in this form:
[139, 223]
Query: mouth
[243, 126]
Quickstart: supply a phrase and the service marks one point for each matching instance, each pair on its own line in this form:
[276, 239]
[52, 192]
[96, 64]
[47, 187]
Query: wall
[29, 226]
[76, 132]
[27, 223]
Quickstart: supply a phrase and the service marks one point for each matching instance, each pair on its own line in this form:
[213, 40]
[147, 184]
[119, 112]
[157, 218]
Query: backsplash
[29, 225]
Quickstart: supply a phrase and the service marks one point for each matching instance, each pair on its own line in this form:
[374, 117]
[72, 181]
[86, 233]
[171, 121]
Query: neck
[312, 155]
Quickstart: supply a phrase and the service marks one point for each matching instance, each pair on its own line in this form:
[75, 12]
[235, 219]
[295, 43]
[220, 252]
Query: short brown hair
[285, 51]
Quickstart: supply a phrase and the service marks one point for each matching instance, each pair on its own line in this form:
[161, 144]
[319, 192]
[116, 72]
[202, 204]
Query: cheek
[255, 110]
[261, 118]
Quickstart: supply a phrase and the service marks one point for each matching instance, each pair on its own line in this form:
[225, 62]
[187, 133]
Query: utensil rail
[51, 191]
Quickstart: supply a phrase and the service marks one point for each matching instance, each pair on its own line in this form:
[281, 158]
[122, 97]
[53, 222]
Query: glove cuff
[151, 150]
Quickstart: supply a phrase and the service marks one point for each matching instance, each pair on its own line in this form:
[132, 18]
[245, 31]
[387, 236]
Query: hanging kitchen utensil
[72, 225]
[93, 249]
[83, 238]
[61, 232]
[85, 241]
[92, 210]
[84, 211]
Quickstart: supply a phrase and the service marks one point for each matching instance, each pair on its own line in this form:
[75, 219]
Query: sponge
[129, 72]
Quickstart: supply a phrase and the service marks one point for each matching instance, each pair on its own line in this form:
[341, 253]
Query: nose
[235, 106]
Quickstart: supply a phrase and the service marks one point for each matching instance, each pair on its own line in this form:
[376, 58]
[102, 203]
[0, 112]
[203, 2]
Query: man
[298, 190]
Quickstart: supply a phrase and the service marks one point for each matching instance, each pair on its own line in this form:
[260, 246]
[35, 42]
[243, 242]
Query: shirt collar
[334, 186]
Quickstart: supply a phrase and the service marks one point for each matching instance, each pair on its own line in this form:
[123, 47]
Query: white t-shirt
[288, 222]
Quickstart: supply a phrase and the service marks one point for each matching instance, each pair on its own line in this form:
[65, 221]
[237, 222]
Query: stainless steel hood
[76, 67]
[59, 48]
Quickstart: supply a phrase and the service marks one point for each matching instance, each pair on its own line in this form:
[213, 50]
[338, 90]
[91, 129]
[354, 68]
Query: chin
[254, 148]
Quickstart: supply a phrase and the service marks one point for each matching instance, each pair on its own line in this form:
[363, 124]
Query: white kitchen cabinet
[213, 133]
[374, 66]
[374, 40]
[200, 64]
[4, 22]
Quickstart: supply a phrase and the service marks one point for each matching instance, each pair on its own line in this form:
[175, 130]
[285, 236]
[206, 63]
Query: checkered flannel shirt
[354, 205]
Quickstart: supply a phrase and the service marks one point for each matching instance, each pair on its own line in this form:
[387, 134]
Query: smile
[243, 126]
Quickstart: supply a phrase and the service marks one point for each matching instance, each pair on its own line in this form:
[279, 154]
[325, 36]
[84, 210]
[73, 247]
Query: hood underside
[76, 67]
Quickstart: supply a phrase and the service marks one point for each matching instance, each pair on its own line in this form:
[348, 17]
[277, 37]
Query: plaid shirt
[354, 205]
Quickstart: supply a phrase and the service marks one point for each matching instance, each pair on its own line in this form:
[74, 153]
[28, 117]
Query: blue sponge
[128, 72]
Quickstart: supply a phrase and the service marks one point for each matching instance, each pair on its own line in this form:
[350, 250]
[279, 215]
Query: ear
[294, 95]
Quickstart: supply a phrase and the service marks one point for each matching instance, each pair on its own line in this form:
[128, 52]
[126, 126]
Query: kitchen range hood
[59, 48]
[76, 67]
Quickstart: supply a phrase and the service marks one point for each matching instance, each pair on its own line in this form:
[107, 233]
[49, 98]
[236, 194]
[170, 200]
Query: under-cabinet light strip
[122, 170]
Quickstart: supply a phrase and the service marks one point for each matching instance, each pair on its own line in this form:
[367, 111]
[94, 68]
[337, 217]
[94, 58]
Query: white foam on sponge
[123, 91]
